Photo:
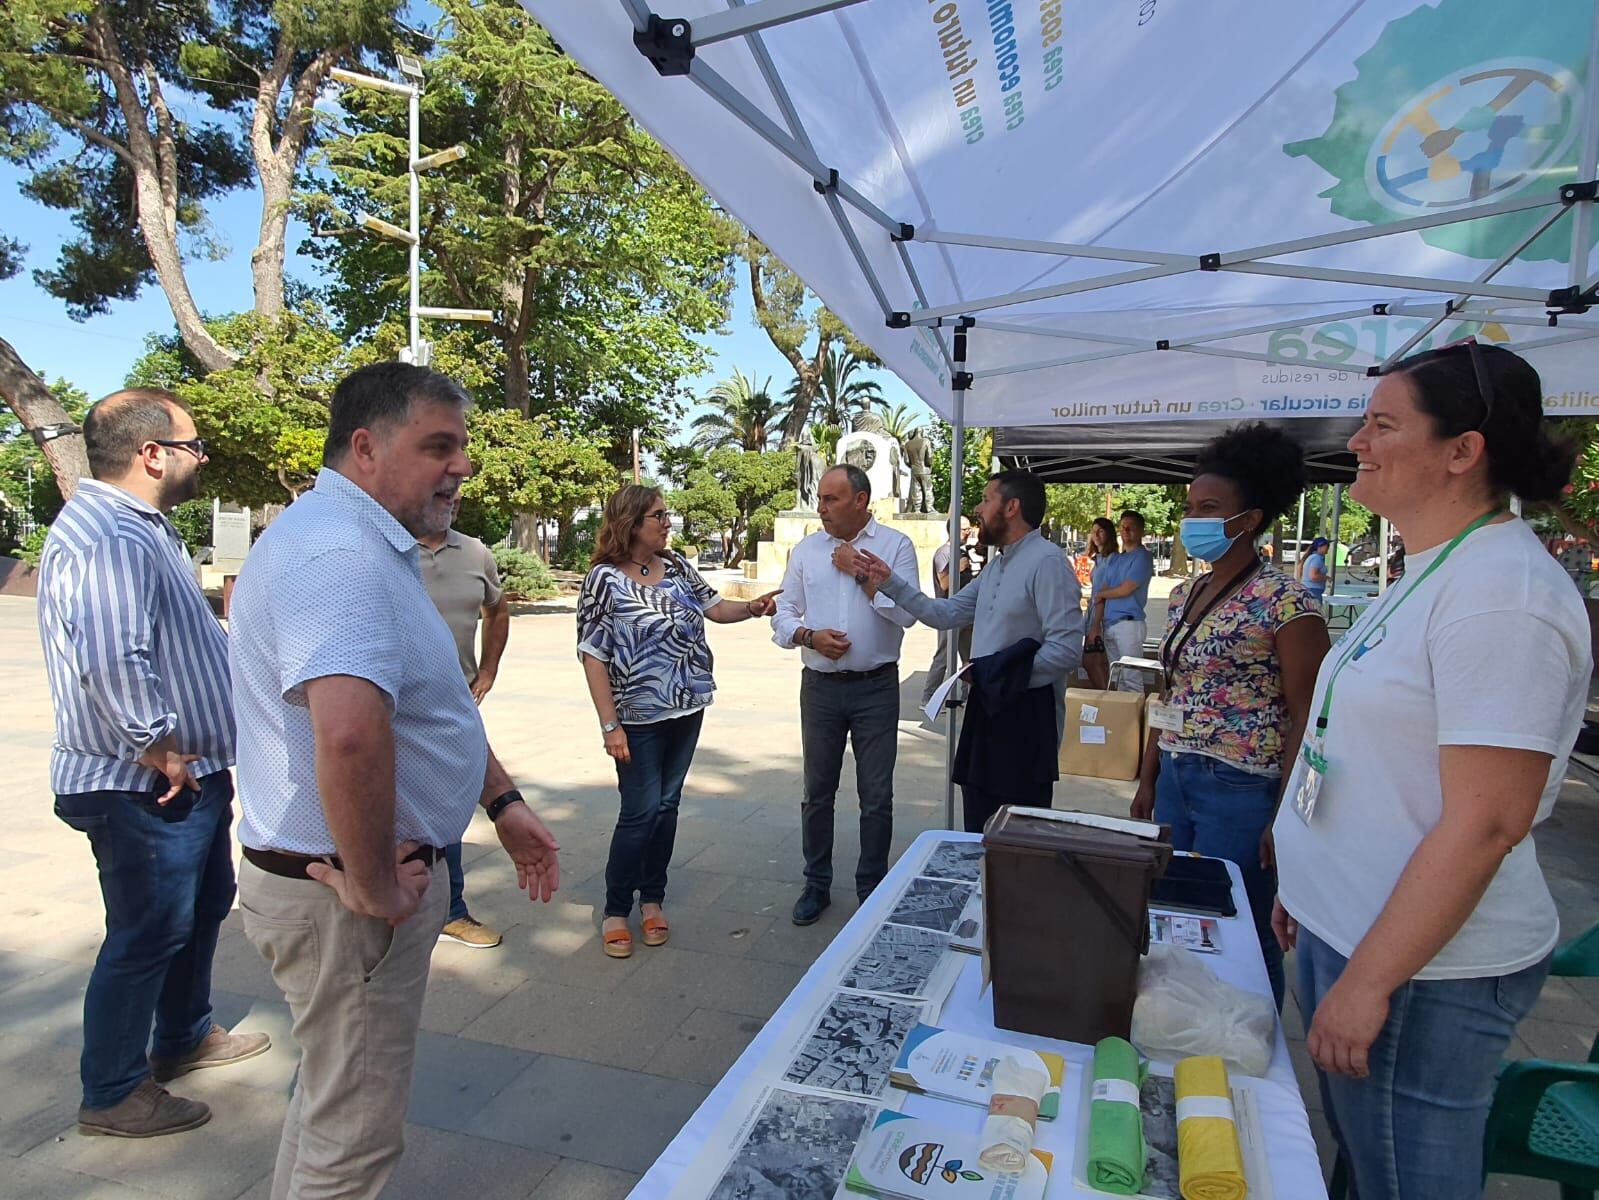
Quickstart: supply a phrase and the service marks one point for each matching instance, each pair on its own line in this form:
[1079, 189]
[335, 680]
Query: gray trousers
[864, 712]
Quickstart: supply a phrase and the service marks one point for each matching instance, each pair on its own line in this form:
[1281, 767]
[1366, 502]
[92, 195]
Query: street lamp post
[417, 351]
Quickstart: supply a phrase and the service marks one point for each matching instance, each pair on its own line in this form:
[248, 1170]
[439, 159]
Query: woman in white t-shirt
[1440, 730]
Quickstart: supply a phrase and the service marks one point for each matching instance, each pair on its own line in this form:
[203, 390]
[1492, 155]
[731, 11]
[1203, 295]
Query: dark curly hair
[1262, 462]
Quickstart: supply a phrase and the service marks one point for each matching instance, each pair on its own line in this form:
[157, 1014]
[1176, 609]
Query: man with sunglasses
[144, 738]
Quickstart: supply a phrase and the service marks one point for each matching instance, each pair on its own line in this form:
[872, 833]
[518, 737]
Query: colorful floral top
[1227, 678]
[651, 639]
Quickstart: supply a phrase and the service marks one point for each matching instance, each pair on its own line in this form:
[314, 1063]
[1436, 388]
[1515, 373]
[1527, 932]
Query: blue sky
[96, 354]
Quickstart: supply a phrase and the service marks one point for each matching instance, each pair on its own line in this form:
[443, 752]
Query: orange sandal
[656, 931]
[618, 943]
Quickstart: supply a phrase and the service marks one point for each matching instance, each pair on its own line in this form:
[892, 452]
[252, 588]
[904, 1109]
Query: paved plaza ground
[544, 1069]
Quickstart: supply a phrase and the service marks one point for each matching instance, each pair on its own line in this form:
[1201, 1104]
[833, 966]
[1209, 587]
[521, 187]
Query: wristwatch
[610, 726]
[502, 802]
[809, 640]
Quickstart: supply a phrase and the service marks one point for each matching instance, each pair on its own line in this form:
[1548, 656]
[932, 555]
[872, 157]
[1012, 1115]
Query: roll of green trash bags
[1115, 1124]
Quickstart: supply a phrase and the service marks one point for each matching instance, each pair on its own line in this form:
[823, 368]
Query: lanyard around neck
[1177, 641]
[1384, 614]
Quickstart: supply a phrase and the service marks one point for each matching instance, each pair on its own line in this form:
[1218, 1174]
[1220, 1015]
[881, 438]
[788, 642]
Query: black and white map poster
[901, 960]
[854, 1044]
[931, 904]
[798, 1148]
[960, 861]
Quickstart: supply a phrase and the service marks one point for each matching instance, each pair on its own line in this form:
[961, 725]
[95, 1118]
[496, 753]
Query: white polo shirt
[334, 587]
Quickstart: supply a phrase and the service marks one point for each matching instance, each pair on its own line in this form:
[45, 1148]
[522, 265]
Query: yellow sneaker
[469, 931]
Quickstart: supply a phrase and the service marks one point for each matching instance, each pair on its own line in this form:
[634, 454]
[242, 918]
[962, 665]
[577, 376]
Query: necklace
[643, 567]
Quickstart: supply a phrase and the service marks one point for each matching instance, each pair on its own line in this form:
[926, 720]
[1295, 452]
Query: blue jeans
[1413, 1128]
[452, 861]
[1220, 811]
[166, 875]
[652, 787]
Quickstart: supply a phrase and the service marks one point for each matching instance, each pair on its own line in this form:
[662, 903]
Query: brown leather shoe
[219, 1048]
[149, 1110]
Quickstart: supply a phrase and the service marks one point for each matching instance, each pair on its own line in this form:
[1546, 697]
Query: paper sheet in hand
[941, 693]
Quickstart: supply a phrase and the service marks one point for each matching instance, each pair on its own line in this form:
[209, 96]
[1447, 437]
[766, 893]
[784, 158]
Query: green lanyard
[1365, 643]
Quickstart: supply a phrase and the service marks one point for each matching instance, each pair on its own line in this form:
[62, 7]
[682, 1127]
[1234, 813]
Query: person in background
[1411, 888]
[641, 639]
[939, 667]
[1027, 593]
[138, 671]
[849, 635]
[464, 584]
[361, 754]
[1240, 654]
[1121, 594]
[1313, 569]
[1100, 550]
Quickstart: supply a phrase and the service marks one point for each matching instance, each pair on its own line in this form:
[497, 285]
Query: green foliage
[826, 438]
[743, 415]
[577, 547]
[1355, 521]
[1160, 504]
[33, 545]
[677, 463]
[1581, 501]
[839, 396]
[1073, 505]
[901, 420]
[524, 576]
[600, 257]
[192, 520]
[979, 453]
[18, 452]
[529, 466]
[738, 491]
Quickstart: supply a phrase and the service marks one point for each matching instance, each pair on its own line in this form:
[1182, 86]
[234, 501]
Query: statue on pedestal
[807, 472]
[919, 458]
[870, 448]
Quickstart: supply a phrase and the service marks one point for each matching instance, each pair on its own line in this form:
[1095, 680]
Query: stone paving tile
[41, 1093]
[238, 966]
[565, 946]
[685, 888]
[464, 984]
[710, 931]
[620, 1028]
[743, 859]
[49, 1007]
[1552, 1039]
[39, 1182]
[221, 1158]
[621, 1119]
[704, 1046]
[18, 968]
[1560, 1001]
[798, 945]
[742, 985]
[273, 1071]
[574, 1179]
[762, 897]
[439, 1165]
[455, 1077]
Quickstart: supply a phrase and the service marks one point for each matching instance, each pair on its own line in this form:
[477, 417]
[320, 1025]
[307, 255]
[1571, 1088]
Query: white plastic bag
[1184, 1009]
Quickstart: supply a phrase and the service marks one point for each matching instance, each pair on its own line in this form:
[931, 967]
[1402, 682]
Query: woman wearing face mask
[1240, 655]
[1422, 920]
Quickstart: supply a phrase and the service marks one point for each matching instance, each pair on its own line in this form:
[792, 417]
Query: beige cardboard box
[1104, 734]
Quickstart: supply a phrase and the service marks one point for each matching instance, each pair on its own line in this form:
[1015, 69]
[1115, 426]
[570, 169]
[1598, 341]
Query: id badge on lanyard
[1313, 771]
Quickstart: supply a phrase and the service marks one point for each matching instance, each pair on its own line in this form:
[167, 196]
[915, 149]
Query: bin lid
[1012, 829]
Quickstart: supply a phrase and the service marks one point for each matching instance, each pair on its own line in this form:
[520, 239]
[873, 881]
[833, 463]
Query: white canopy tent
[1143, 212]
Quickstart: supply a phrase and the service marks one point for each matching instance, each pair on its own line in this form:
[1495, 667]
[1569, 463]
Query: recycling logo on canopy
[1460, 104]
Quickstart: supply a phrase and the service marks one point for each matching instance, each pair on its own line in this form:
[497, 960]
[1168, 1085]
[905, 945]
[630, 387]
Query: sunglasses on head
[1479, 368]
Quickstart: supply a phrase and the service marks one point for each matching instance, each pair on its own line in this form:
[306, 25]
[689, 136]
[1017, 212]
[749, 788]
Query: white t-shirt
[1492, 650]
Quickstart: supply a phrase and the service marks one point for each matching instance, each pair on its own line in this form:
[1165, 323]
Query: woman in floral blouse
[641, 638]
[1242, 647]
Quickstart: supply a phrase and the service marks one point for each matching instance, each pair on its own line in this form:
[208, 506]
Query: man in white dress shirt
[848, 635]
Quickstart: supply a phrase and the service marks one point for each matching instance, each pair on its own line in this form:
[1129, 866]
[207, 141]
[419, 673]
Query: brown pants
[355, 988]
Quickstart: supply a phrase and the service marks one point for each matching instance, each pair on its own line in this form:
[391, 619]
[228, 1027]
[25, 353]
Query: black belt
[293, 866]
[876, 672]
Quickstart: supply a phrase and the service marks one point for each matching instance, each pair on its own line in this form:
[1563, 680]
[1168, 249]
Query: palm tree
[840, 397]
[899, 421]
[742, 415]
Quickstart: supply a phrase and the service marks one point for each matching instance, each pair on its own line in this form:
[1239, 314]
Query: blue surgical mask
[1206, 537]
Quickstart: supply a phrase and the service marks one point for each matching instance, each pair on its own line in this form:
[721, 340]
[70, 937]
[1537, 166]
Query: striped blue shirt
[334, 587]
[130, 644]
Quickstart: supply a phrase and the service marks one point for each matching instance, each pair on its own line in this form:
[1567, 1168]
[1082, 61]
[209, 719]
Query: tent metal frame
[671, 44]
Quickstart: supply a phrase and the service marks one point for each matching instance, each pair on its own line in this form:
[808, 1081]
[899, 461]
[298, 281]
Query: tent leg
[1382, 554]
[957, 478]
[1299, 540]
[1338, 510]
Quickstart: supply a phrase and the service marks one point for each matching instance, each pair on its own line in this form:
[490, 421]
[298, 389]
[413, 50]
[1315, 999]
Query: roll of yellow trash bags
[1210, 1163]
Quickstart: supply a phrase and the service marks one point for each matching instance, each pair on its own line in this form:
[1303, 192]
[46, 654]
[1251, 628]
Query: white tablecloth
[1291, 1152]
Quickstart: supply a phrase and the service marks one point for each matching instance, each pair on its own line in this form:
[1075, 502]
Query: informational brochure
[908, 1157]
[960, 1067]
[1200, 934]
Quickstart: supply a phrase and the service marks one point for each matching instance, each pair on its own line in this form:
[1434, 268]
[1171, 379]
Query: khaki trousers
[355, 988]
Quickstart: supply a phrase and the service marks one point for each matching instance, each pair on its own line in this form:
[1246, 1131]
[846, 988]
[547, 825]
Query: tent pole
[1332, 567]
[1582, 219]
[1382, 554]
[959, 382]
[1299, 540]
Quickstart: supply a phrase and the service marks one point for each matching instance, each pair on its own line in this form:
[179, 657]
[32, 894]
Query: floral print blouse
[1227, 678]
[651, 639]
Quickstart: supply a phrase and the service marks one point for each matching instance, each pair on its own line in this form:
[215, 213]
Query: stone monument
[870, 448]
[807, 472]
[919, 458]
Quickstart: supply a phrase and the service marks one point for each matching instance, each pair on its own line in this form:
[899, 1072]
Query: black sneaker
[809, 907]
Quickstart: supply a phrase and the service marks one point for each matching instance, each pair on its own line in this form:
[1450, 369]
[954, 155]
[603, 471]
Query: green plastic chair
[1544, 1123]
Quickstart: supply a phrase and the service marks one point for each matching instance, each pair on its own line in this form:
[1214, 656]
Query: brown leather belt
[293, 866]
